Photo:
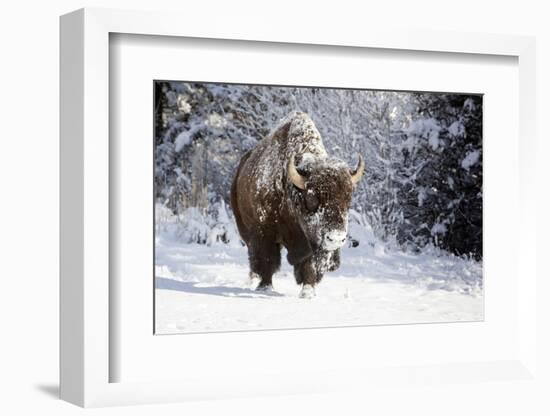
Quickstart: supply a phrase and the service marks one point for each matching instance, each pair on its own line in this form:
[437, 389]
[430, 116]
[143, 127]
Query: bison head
[322, 194]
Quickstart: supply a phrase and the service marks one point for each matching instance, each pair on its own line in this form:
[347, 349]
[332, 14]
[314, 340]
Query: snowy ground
[202, 288]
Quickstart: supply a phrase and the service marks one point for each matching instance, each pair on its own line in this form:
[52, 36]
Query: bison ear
[296, 242]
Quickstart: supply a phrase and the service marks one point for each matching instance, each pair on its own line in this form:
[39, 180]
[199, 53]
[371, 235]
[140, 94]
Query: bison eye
[312, 202]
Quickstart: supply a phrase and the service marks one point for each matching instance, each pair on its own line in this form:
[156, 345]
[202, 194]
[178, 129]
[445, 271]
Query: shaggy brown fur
[271, 212]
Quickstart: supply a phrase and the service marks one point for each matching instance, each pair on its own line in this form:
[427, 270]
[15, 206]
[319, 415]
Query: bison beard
[288, 192]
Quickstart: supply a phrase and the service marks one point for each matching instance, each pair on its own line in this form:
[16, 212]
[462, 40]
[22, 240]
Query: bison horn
[297, 179]
[356, 175]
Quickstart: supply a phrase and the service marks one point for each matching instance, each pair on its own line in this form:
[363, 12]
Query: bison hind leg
[264, 257]
[257, 281]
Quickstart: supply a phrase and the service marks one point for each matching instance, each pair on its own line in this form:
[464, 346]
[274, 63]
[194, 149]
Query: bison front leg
[307, 276]
[265, 259]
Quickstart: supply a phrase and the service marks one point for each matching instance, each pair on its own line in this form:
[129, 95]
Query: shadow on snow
[225, 291]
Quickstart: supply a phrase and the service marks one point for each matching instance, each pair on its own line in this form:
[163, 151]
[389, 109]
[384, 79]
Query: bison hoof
[264, 288]
[307, 292]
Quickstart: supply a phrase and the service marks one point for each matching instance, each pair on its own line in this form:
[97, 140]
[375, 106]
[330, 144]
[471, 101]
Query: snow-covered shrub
[223, 228]
[360, 233]
[193, 225]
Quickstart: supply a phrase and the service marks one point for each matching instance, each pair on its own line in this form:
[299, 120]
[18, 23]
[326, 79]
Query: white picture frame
[85, 354]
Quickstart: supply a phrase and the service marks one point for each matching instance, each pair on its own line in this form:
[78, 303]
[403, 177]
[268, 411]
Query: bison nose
[334, 240]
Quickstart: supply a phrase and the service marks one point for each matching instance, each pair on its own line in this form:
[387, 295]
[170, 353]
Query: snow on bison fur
[288, 192]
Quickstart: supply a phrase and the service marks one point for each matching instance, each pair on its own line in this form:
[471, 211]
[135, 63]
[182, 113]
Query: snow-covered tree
[423, 153]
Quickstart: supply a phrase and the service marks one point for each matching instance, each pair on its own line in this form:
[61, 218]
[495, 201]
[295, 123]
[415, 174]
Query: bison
[288, 192]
